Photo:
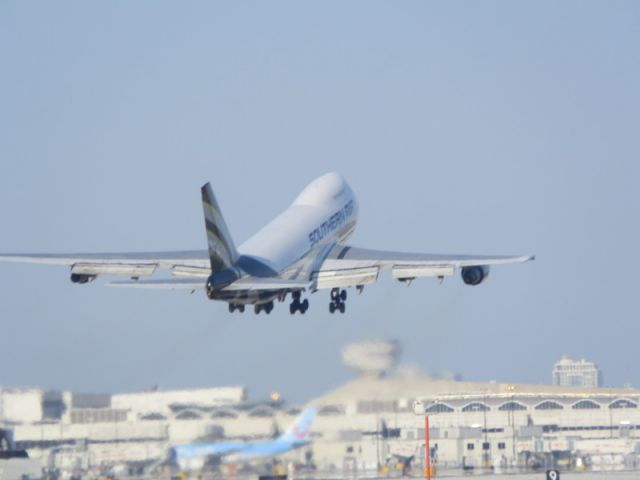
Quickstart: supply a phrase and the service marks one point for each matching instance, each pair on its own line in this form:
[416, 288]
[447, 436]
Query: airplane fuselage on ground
[192, 456]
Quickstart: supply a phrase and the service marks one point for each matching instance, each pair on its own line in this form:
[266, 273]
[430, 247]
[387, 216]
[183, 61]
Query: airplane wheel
[304, 306]
[295, 306]
[256, 309]
[240, 308]
[343, 295]
[334, 293]
[332, 307]
[268, 307]
[341, 307]
[232, 307]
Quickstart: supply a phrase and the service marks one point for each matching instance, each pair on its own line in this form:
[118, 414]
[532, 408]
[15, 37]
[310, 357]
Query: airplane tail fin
[222, 251]
[300, 431]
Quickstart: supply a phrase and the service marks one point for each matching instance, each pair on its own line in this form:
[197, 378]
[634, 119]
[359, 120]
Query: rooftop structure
[162, 402]
[576, 373]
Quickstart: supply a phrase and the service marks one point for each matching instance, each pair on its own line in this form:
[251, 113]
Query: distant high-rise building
[576, 373]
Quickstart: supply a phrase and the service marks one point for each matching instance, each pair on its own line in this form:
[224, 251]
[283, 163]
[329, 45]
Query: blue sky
[463, 127]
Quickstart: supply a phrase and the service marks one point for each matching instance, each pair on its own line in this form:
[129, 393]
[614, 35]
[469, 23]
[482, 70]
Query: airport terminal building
[366, 424]
[479, 425]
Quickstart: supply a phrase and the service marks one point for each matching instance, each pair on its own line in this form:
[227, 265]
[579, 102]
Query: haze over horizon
[467, 127]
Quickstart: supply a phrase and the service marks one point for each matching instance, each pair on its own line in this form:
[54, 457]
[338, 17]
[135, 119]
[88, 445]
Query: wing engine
[474, 275]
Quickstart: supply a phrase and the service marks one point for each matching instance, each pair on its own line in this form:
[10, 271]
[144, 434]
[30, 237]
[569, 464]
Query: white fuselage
[324, 213]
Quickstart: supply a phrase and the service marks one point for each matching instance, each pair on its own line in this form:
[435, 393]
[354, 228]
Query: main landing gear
[297, 305]
[264, 307]
[338, 297]
[236, 306]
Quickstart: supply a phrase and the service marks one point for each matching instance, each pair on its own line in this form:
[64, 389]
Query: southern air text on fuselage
[333, 222]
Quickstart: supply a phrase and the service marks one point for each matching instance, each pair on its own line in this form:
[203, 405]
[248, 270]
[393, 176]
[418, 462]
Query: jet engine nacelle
[475, 275]
[82, 278]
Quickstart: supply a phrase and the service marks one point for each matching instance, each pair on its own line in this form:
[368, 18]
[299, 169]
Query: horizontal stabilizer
[194, 283]
[162, 283]
[270, 283]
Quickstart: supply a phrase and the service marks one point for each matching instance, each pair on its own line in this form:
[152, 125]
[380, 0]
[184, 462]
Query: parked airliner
[192, 456]
[302, 250]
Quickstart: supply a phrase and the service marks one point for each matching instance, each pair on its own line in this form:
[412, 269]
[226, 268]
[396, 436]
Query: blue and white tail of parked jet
[193, 455]
[302, 250]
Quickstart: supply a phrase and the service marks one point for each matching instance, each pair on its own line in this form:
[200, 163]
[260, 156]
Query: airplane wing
[189, 269]
[86, 266]
[347, 266]
[197, 257]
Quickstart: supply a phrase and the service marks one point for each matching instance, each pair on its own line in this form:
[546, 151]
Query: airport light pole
[419, 409]
[486, 454]
[512, 420]
[427, 449]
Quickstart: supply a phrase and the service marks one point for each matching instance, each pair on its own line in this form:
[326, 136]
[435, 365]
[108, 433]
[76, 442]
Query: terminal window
[585, 404]
[470, 446]
[329, 410]
[501, 446]
[475, 407]
[439, 408]
[549, 405]
[623, 403]
[512, 406]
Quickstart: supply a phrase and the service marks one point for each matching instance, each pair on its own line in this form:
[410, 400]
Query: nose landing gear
[297, 305]
[338, 299]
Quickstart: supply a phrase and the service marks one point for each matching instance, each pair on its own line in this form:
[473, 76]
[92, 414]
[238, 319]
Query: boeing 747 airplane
[302, 250]
[193, 456]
